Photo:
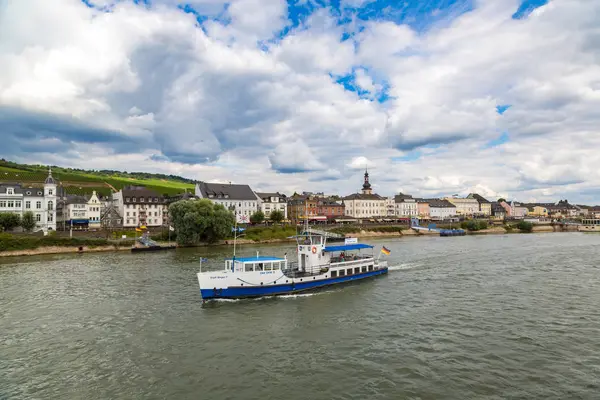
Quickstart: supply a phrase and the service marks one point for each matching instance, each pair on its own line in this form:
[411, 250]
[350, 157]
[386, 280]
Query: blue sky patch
[501, 109]
[410, 156]
[526, 7]
[499, 141]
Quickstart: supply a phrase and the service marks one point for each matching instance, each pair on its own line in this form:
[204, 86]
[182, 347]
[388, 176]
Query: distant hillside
[79, 181]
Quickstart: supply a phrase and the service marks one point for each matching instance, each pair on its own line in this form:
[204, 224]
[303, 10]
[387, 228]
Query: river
[476, 317]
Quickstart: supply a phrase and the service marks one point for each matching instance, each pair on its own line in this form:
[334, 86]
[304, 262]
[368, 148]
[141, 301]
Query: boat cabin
[591, 222]
[251, 264]
[348, 252]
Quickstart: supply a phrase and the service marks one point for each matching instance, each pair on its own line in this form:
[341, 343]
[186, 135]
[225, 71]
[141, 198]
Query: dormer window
[226, 196]
[28, 193]
[141, 199]
[134, 199]
[156, 199]
[40, 193]
[10, 191]
[149, 199]
[127, 199]
[210, 196]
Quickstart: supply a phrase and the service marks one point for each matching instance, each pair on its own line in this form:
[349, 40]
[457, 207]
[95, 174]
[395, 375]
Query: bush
[525, 226]
[28, 221]
[276, 216]
[474, 225]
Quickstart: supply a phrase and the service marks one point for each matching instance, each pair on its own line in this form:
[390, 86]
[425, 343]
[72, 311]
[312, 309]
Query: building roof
[226, 191]
[497, 207]
[137, 192]
[74, 199]
[50, 180]
[399, 198]
[4, 188]
[267, 196]
[362, 196]
[478, 197]
[440, 203]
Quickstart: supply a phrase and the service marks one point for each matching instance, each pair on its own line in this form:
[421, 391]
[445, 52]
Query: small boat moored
[318, 266]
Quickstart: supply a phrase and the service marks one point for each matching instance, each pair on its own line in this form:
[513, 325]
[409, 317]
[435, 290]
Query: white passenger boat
[317, 266]
[589, 225]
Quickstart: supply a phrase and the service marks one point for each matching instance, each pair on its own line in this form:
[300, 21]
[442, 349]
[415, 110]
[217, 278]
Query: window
[342, 272]
[18, 204]
[349, 271]
[363, 269]
[141, 199]
[334, 274]
[28, 204]
[50, 206]
[370, 268]
[356, 270]
[156, 199]
[149, 199]
[38, 205]
[2, 203]
[10, 191]
[127, 199]
[50, 217]
[11, 204]
[155, 213]
[50, 192]
[133, 199]
[38, 217]
[128, 214]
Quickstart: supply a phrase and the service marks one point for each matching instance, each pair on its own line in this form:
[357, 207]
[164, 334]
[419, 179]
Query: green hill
[79, 181]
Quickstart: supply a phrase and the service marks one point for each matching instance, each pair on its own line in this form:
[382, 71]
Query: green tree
[501, 199]
[9, 221]
[525, 226]
[198, 221]
[257, 218]
[276, 216]
[28, 221]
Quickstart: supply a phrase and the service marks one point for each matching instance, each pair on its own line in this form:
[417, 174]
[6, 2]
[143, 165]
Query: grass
[269, 233]
[84, 182]
[10, 242]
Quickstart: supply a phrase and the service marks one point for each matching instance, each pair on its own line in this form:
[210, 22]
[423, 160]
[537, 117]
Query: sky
[435, 97]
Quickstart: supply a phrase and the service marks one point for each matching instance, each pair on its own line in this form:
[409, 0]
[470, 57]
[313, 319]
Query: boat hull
[297, 286]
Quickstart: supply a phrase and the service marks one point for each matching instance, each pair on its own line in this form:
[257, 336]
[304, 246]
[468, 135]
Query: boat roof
[257, 259]
[347, 247]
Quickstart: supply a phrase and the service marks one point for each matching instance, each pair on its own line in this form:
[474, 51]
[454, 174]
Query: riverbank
[79, 246]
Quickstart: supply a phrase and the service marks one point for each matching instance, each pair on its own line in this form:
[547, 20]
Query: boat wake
[402, 267]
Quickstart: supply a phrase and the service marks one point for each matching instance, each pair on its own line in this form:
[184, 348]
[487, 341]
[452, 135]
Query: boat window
[356, 270]
[334, 274]
[342, 272]
[276, 265]
[268, 266]
[363, 269]
[370, 268]
[249, 267]
[349, 271]
[259, 267]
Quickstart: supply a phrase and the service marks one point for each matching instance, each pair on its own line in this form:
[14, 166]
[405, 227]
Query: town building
[485, 206]
[390, 204]
[594, 212]
[498, 211]
[41, 202]
[514, 209]
[464, 206]
[140, 206]
[440, 209]
[270, 202]
[80, 212]
[330, 208]
[240, 199]
[365, 204]
[562, 209]
[423, 210]
[406, 206]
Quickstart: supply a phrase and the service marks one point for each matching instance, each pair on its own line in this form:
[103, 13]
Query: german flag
[385, 251]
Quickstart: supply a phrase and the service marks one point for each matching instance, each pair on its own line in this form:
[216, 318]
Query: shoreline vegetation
[24, 245]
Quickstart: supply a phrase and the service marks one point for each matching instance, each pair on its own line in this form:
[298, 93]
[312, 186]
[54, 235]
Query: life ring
[314, 250]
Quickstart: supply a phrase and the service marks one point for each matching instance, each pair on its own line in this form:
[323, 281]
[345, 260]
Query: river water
[477, 317]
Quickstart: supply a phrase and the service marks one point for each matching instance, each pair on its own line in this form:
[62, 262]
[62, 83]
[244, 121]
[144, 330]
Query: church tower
[366, 189]
[50, 197]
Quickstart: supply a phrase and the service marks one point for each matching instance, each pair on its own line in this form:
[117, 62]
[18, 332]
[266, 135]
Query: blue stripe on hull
[274, 290]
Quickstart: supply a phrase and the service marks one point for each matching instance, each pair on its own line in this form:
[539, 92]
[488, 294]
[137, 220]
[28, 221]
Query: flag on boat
[143, 227]
[203, 259]
[171, 228]
[385, 251]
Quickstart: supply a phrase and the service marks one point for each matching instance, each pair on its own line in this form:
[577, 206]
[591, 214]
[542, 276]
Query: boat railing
[293, 270]
[337, 261]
